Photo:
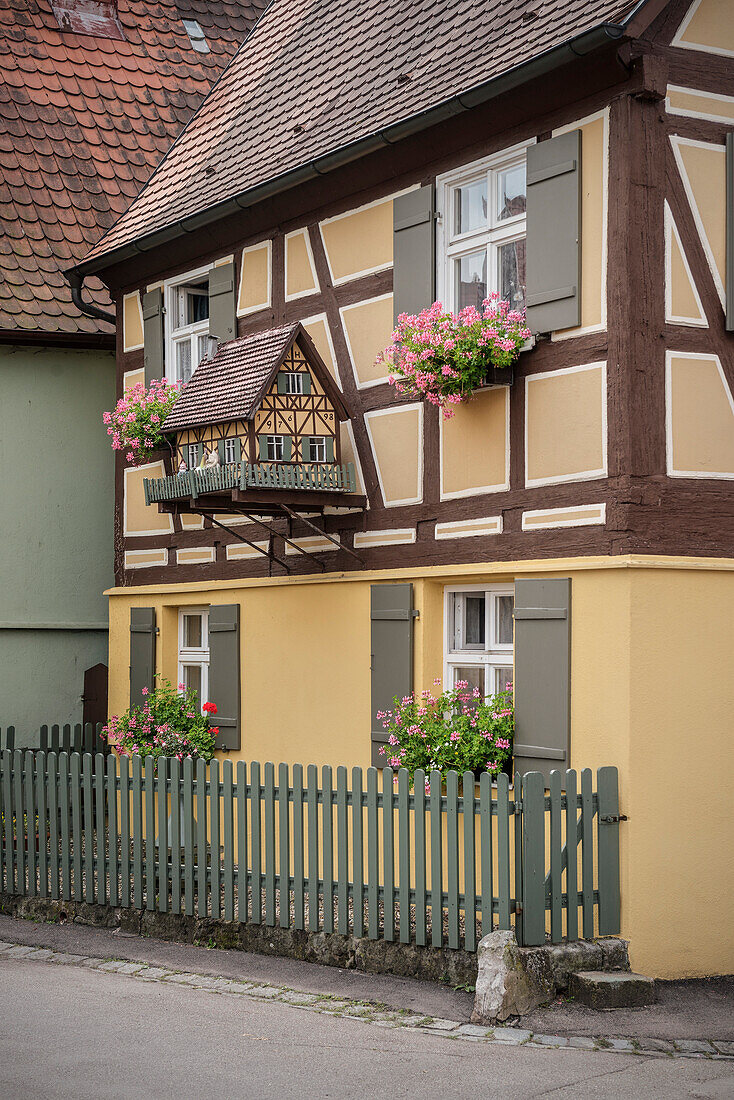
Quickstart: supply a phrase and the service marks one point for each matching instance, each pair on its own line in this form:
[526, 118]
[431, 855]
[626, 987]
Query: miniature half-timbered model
[255, 434]
[556, 512]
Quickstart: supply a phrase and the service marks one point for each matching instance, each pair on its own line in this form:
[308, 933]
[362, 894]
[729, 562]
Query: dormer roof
[231, 384]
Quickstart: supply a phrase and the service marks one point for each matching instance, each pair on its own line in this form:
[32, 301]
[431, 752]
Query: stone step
[611, 989]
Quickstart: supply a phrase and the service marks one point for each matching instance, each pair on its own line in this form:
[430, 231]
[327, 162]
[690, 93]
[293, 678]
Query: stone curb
[719, 1050]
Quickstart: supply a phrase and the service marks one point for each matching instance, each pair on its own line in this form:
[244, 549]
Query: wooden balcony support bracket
[266, 553]
[279, 534]
[323, 533]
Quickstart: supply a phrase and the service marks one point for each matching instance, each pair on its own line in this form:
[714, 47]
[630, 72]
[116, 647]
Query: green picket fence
[60, 738]
[443, 863]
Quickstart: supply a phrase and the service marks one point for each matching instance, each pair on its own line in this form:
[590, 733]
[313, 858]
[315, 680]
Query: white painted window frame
[451, 246]
[294, 383]
[319, 441]
[178, 335]
[230, 447]
[195, 655]
[494, 655]
[276, 443]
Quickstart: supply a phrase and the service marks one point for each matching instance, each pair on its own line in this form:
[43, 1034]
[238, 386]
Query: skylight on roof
[197, 38]
[91, 18]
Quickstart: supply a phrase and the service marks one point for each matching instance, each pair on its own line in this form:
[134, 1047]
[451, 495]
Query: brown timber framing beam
[320, 531]
[266, 553]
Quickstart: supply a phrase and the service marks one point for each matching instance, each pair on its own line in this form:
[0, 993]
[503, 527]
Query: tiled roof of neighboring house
[315, 77]
[84, 120]
[229, 385]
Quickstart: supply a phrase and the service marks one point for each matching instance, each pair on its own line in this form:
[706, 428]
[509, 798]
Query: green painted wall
[56, 540]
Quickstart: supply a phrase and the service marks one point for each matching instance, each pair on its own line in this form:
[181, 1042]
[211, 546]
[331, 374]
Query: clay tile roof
[314, 78]
[229, 385]
[84, 120]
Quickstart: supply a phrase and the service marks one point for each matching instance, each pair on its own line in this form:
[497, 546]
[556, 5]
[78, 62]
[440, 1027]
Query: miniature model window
[193, 453]
[316, 448]
[231, 450]
[187, 325]
[294, 382]
[479, 638]
[275, 448]
[193, 652]
[482, 232]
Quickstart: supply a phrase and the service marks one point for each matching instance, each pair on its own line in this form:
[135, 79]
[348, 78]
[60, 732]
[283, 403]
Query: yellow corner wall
[651, 687]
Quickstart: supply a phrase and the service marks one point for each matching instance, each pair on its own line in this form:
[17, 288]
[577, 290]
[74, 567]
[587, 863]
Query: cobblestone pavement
[375, 1014]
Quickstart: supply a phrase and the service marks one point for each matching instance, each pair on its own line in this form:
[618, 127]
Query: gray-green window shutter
[222, 319]
[142, 653]
[306, 383]
[414, 251]
[730, 231]
[392, 655]
[224, 672]
[329, 448]
[222, 455]
[199, 452]
[262, 448]
[553, 291]
[282, 382]
[287, 448]
[542, 684]
[153, 341]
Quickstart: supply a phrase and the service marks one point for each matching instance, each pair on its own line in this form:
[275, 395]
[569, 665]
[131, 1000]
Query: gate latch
[612, 819]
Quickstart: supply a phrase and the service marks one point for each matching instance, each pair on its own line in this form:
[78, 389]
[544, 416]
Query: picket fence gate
[439, 864]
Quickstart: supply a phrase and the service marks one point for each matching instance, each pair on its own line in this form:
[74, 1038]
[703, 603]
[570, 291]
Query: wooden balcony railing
[247, 475]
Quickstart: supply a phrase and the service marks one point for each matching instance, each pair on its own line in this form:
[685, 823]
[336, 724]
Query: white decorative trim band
[312, 544]
[468, 528]
[240, 551]
[583, 515]
[195, 555]
[397, 537]
[145, 559]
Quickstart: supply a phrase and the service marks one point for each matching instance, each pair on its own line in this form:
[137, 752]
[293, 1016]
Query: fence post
[532, 823]
[607, 784]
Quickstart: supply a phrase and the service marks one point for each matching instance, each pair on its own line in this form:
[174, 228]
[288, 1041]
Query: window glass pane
[474, 624]
[183, 360]
[512, 273]
[473, 674]
[192, 678]
[503, 628]
[230, 450]
[503, 677]
[470, 205]
[511, 192]
[316, 449]
[471, 280]
[193, 455]
[294, 383]
[275, 448]
[192, 631]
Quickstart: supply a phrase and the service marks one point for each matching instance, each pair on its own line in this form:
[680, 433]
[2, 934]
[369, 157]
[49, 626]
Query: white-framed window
[193, 452]
[294, 382]
[316, 448]
[232, 450]
[481, 231]
[478, 637]
[275, 448]
[193, 651]
[187, 323]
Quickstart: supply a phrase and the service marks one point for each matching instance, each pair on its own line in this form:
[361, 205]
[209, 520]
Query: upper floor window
[316, 448]
[232, 450]
[187, 324]
[193, 451]
[293, 382]
[481, 239]
[275, 448]
[479, 638]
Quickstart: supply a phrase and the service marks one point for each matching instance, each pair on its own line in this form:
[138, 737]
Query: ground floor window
[478, 637]
[193, 651]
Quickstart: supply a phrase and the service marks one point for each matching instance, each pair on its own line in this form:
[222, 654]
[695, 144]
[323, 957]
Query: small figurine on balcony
[211, 458]
[182, 467]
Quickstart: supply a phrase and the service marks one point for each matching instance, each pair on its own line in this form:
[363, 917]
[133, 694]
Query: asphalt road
[68, 1032]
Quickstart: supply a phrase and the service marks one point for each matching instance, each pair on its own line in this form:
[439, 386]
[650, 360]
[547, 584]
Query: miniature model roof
[317, 79]
[232, 383]
[86, 113]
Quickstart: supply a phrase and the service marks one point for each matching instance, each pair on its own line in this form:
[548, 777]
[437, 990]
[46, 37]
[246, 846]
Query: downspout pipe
[545, 63]
[76, 282]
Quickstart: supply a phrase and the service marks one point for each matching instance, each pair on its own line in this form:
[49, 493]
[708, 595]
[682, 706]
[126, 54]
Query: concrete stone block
[506, 985]
[601, 989]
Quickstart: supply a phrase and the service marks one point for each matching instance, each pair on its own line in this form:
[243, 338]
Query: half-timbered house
[577, 158]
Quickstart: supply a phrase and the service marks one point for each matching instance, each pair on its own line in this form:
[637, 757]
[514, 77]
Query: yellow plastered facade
[132, 378]
[688, 102]
[704, 175]
[708, 25]
[254, 290]
[396, 437]
[367, 327]
[475, 445]
[300, 274]
[700, 418]
[318, 329]
[138, 518]
[635, 704]
[132, 322]
[565, 425]
[359, 241]
[682, 303]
